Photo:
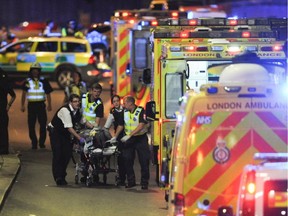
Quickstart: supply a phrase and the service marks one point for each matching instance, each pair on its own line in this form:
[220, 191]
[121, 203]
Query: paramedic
[92, 105]
[36, 89]
[135, 139]
[60, 131]
[5, 89]
[114, 118]
[76, 87]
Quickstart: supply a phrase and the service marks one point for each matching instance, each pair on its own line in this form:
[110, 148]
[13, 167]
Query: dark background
[12, 12]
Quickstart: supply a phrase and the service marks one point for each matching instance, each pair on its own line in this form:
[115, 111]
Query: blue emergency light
[212, 90]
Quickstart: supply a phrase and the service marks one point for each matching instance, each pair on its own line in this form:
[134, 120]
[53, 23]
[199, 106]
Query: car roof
[67, 39]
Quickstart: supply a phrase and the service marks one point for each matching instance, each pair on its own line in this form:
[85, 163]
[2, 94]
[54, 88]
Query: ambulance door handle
[187, 72]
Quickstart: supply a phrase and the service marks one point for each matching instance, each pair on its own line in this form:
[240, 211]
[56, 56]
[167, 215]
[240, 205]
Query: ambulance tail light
[274, 48]
[125, 14]
[277, 48]
[175, 14]
[154, 23]
[248, 195]
[246, 34]
[184, 34]
[131, 21]
[193, 22]
[179, 202]
[232, 22]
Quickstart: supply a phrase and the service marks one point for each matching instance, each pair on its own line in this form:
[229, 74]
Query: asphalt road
[34, 192]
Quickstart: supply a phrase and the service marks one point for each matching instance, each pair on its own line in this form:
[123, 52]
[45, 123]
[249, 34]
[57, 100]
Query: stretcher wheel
[76, 179]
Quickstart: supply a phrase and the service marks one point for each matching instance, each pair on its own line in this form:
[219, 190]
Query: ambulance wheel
[64, 75]
[76, 179]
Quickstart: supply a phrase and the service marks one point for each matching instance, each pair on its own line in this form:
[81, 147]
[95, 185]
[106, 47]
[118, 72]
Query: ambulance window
[173, 90]
[140, 52]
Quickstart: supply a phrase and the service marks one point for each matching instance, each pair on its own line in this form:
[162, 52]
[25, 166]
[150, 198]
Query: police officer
[36, 89]
[76, 87]
[135, 139]
[114, 117]
[5, 89]
[92, 105]
[60, 130]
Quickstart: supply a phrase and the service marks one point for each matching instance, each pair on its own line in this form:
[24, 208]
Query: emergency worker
[92, 105]
[60, 130]
[135, 139]
[36, 89]
[48, 29]
[72, 30]
[5, 89]
[76, 87]
[114, 117]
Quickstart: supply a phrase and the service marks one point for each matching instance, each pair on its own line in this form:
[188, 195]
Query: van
[217, 133]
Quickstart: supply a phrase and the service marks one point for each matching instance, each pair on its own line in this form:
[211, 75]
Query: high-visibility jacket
[131, 121]
[89, 108]
[36, 92]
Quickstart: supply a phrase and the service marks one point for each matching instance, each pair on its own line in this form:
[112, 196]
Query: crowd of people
[84, 107]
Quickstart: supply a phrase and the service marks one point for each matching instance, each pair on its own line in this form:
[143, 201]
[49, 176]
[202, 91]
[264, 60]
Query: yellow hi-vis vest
[89, 108]
[36, 91]
[131, 121]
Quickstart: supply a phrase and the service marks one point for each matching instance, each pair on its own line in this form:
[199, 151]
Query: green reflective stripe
[36, 91]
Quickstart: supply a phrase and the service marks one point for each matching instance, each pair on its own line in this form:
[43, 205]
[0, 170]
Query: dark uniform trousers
[140, 145]
[37, 110]
[62, 152]
[4, 139]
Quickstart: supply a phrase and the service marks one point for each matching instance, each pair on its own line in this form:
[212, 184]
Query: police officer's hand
[125, 138]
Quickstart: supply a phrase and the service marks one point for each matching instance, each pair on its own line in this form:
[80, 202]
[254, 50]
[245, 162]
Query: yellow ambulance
[185, 52]
[219, 130]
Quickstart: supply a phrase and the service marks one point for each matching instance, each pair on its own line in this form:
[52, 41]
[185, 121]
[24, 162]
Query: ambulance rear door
[169, 87]
[140, 60]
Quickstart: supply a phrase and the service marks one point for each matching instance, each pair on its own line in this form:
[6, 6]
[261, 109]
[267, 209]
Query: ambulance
[125, 25]
[185, 53]
[219, 130]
